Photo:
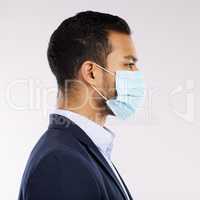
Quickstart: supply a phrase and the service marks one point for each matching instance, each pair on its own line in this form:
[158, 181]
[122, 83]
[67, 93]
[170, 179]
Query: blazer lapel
[124, 184]
[59, 121]
[107, 168]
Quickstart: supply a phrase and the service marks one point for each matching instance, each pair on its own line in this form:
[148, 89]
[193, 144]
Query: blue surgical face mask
[130, 89]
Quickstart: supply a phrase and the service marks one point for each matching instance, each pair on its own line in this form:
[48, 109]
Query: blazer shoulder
[61, 173]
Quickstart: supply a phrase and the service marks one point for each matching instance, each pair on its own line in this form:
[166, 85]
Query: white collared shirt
[103, 137]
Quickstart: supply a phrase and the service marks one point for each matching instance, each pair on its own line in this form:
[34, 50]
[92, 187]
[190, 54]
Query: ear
[88, 72]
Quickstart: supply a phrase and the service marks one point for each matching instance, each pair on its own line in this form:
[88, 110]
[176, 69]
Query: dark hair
[80, 38]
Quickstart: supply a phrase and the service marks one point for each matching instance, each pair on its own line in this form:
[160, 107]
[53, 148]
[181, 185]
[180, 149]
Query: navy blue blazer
[65, 164]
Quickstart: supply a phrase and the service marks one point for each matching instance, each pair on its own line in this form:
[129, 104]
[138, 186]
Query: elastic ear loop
[99, 93]
[113, 73]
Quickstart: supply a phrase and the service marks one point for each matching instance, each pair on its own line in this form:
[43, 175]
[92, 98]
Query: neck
[81, 106]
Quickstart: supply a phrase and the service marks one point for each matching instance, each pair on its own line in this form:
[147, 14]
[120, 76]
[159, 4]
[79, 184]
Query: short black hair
[80, 38]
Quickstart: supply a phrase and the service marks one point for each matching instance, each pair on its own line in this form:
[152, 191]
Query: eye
[130, 65]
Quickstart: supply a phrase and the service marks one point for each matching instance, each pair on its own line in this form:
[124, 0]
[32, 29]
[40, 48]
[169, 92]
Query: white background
[157, 152]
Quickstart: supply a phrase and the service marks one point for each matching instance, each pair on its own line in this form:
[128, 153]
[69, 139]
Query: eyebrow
[131, 57]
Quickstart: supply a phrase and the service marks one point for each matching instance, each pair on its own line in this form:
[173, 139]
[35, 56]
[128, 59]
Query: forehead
[122, 45]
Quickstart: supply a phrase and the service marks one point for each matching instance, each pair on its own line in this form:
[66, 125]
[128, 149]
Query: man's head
[78, 45]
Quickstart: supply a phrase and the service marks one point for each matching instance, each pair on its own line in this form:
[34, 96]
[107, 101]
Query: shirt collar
[101, 136]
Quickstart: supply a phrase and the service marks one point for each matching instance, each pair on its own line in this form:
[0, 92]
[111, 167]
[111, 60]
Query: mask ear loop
[99, 93]
[113, 73]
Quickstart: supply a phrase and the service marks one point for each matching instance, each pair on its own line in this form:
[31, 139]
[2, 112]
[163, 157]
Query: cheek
[110, 85]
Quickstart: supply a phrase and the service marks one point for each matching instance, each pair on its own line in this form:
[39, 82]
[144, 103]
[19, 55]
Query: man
[93, 58]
